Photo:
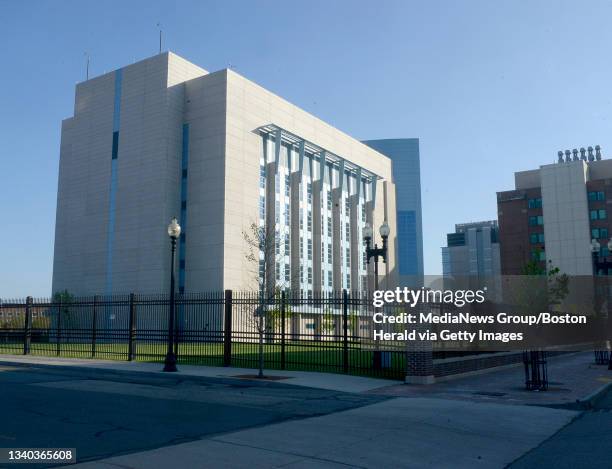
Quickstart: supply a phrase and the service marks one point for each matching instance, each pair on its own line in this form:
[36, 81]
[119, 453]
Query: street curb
[95, 372]
[590, 401]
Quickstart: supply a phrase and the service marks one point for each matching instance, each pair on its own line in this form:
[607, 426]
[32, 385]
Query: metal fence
[325, 332]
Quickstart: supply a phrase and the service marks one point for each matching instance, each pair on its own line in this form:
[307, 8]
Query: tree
[545, 287]
[260, 241]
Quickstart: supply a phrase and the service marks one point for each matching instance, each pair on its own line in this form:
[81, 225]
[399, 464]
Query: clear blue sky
[490, 87]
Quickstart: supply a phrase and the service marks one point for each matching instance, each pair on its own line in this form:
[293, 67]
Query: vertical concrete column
[337, 229]
[270, 227]
[356, 242]
[296, 255]
[317, 192]
[369, 205]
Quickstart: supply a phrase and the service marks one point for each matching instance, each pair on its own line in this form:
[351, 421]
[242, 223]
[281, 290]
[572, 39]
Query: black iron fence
[327, 332]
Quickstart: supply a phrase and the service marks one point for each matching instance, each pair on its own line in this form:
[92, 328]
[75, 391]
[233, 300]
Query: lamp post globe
[367, 231]
[174, 231]
[384, 230]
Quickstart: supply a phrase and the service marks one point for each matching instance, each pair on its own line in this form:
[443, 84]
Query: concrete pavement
[330, 381]
[395, 433]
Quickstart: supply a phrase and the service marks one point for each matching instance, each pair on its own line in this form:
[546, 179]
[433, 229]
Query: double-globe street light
[604, 265]
[174, 231]
[377, 252]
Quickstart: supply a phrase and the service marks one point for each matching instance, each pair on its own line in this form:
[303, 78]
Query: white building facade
[162, 138]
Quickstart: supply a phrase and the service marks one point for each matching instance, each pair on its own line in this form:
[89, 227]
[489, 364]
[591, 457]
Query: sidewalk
[329, 381]
[399, 432]
[571, 378]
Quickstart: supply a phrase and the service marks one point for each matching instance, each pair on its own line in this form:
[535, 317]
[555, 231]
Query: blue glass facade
[407, 177]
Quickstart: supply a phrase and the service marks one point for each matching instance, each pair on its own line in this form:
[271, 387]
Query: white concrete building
[162, 138]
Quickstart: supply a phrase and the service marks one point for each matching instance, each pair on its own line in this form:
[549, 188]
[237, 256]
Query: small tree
[546, 287]
[260, 241]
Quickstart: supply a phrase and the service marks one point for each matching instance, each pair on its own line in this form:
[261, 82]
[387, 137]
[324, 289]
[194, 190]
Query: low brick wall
[469, 364]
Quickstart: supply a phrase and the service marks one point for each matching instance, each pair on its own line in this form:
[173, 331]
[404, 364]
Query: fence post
[345, 354]
[94, 326]
[58, 337]
[282, 312]
[27, 331]
[227, 330]
[132, 336]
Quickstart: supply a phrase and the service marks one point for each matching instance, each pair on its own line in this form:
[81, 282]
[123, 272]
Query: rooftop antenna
[160, 37]
[87, 66]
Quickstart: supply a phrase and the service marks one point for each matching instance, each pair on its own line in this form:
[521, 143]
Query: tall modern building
[407, 177]
[554, 213]
[472, 251]
[162, 138]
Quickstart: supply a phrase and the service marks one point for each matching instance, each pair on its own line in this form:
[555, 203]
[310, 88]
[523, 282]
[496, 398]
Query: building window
[310, 275]
[535, 203]
[364, 261]
[309, 192]
[329, 201]
[287, 185]
[538, 255]
[286, 244]
[536, 238]
[604, 251]
[348, 281]
[309, 249]
[600, 214]
[287, 272]
[347, 207]
[536, 220]
[347, 232]
[329, 253]
[330, 281]
[363, 213]
[348, 257]
[329, 226]
[262, 177]
[262, 207]
[309, 221]
[599, 195]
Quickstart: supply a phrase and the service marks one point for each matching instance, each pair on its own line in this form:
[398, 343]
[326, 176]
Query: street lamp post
[376, 252]
[603, 264]
[174, 231]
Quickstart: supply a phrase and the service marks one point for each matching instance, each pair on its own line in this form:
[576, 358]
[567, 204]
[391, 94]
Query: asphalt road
[586, 442]
[104, 414]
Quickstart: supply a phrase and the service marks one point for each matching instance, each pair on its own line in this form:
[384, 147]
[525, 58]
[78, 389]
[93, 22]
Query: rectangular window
[595, 233]
[310, 275]
[262, 207]
[593, 214]
[330, 281]
[347, 207]
[309, 221]
[287, 272]
[329, 253]
[601, 195]
[262, 177]
[309, 249]
[604, 251]
[364, 261]
[592, 196]
[287, 185]
[309, 191]
[347, 232]
[348, 257]
[287, 244]
[363, 213]
[329, 226]
[536, 220]
[348, 281]
[535, 203]
[602, 214]
[603, 233]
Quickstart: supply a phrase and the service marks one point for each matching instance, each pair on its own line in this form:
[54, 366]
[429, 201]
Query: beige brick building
[162, 138]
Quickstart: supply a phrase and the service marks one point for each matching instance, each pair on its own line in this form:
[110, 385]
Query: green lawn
[305, 356]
